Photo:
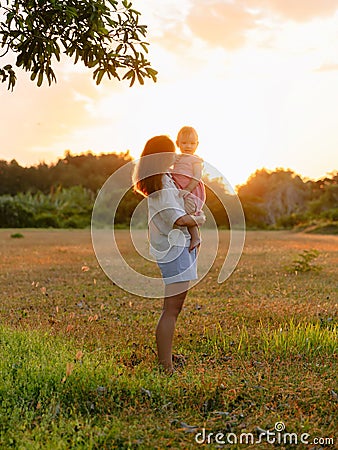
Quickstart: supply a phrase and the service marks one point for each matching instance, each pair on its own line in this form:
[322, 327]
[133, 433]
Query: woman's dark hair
[154, 162]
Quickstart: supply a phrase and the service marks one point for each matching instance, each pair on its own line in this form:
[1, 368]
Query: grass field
[78, 366]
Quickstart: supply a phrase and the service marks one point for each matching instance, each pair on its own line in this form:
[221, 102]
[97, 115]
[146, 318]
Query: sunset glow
[258, 79]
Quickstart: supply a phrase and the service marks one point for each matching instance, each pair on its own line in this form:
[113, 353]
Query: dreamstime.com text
[276, 437]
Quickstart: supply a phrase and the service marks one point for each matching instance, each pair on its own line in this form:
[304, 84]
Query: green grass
[306, 339]
[17, 235]
[78, 367]
[53, 394]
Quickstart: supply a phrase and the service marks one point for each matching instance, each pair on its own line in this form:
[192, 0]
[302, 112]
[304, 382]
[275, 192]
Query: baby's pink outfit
[183, 173]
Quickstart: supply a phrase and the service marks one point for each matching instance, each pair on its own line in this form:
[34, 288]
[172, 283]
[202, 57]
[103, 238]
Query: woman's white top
[164, 208]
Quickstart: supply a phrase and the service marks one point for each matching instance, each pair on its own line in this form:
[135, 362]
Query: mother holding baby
[169, 236]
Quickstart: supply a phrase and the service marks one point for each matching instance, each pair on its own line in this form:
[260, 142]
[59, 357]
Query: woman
[168, 235]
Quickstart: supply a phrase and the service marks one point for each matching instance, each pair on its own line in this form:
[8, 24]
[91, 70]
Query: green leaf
[40, 78]
[140, 78]
[100, 75]
[151, 72]
[12, 80]
[77, 55]
[119, 48]
[144, 46]
[57, 51]
[132, 80]
[128, 75]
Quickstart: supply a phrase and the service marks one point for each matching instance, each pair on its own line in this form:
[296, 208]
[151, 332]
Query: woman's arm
[190, 221]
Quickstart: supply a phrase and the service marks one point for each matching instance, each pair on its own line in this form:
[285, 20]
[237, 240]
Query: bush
[329, 228]
[13, 214]
[304, 262]
[77, 221]
[290, 221]
[69, 208]
[331, 214]
[46, 220]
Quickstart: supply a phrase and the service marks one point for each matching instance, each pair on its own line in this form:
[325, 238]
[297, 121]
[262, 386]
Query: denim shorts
[182, 267]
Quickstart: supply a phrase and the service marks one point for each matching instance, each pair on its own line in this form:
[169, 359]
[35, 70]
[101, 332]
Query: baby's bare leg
[195, 237]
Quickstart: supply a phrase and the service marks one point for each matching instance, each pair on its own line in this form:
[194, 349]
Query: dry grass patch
[78, 361]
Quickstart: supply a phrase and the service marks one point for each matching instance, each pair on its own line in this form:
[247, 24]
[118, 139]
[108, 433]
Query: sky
[258, 79]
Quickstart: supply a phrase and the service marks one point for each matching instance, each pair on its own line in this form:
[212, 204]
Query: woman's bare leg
[174, 297]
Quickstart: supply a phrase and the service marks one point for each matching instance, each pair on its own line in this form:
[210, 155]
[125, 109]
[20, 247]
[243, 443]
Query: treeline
[281, 199]
[59, 195]
[86, 170]
[62, 195]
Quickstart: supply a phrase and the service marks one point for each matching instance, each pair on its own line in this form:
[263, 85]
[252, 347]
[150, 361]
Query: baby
[187, 174]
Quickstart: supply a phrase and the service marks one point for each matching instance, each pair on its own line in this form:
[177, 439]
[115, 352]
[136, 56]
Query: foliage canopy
[32, 196]
[105, 35]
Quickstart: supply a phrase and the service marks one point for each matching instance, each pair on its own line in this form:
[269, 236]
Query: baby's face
[188, 144]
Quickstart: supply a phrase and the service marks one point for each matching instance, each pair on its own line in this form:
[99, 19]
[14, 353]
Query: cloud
[298, 10]
[227, 24]
[223, 24]
[327, 67]
[174, 38]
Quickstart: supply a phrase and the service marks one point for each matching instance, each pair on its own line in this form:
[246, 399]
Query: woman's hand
[183, 193]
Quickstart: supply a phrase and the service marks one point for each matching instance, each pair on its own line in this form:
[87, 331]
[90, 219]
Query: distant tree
[324, 198]
[12, 178]
[254, 211]
[217, 196]
[87, 170]
[268, 196]
[105, 35]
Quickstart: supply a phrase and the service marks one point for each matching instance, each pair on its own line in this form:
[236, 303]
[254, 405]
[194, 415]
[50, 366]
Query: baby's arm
[190, 221]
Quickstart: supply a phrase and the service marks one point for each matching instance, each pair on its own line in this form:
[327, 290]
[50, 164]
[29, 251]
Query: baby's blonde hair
[186, 131]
